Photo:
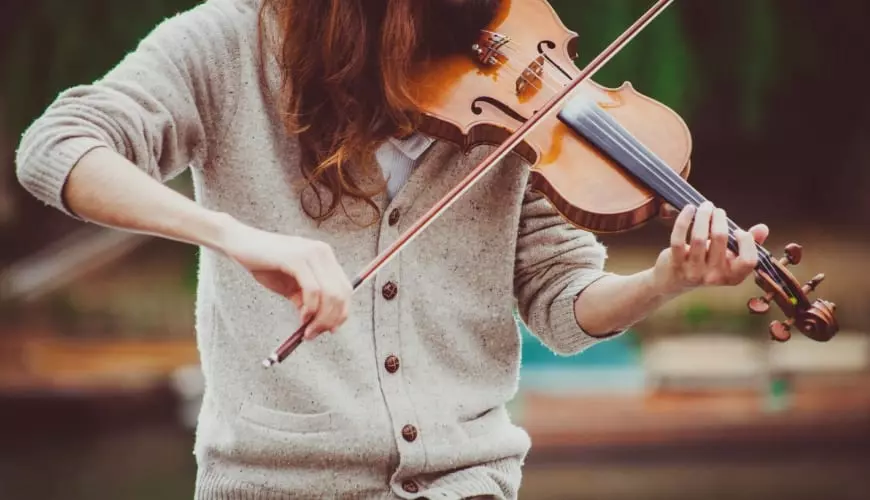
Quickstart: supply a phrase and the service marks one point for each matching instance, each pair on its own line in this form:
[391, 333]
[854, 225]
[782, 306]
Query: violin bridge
[531, 77]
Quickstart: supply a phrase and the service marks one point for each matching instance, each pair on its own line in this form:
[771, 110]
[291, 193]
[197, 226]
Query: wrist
[216, 231]
[661, 285]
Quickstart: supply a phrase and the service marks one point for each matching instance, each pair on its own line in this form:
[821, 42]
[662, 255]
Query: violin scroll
[814, 319]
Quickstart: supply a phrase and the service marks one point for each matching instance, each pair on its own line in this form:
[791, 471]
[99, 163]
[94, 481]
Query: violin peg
[794, 253]
[760, 305]
[780, 331]
[814, 283]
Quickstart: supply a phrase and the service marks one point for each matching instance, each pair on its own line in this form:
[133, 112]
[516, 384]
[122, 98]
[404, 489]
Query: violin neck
[592, 123]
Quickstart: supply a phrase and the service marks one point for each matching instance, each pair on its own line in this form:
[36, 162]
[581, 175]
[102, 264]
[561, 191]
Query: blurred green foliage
[54, 44]
[703, 317]
[669, 63]
[659, 61]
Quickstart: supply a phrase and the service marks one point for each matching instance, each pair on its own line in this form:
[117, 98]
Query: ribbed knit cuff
[46, 176]
[495, 480]
[210, 486]
[566, 332]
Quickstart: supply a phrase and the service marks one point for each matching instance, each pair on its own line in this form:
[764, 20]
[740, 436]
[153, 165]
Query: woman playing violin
[295, 120]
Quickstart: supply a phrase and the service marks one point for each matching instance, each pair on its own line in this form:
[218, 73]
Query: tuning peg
[814, 283]
[760, 305]
[794, 253]
[780, 330]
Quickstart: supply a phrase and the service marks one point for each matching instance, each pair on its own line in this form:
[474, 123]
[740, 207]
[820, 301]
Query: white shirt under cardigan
[398, 158]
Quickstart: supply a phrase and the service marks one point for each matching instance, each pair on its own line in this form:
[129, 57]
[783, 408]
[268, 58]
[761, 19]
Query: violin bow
[498, 154]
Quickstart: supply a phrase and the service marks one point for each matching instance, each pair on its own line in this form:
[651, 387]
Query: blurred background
[99, 381]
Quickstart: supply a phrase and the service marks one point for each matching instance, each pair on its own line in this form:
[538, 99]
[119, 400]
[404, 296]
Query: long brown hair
[344, 67]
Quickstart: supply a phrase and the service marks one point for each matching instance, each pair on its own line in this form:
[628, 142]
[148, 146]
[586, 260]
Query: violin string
[679, 187]
[666, 177]
[506, 62]
[514, 71]
[542, 77]
[689, 195]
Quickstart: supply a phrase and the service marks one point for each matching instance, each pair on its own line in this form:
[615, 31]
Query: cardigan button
[409, 432]
[410, 487]
[390, 290]
[392, 364]
[394, 217]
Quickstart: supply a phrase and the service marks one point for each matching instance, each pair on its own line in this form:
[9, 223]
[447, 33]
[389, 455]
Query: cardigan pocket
[491, 421]
[293, 423]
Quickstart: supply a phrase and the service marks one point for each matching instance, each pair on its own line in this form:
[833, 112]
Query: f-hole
[549, 45]
[504, 108]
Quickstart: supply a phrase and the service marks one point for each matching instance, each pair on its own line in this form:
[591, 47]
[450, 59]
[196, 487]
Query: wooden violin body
[607, 162]
[471, 102]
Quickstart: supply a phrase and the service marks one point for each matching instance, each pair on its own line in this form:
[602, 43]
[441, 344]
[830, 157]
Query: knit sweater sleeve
[555, 262]
[160, 107]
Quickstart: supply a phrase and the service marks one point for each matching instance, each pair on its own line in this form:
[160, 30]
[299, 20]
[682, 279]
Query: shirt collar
[413, 146]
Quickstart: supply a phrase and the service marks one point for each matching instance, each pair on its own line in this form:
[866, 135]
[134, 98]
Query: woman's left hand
[703, 258]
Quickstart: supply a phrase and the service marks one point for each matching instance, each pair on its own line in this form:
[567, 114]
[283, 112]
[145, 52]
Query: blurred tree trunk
[7, 174]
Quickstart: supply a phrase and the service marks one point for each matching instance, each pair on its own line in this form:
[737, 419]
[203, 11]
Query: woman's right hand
[302, 270]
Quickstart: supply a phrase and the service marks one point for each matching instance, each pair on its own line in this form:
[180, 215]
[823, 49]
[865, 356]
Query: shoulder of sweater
[209, 43]
[226, 21]
[213, 25]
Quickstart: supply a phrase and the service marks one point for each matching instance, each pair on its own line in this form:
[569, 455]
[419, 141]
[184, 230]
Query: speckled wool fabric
[407, 400]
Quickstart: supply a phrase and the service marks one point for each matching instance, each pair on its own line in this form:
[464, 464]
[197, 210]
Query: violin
[607, 159]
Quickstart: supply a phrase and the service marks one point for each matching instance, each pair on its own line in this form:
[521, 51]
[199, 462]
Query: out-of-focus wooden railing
[66, 261]
[48, 364]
